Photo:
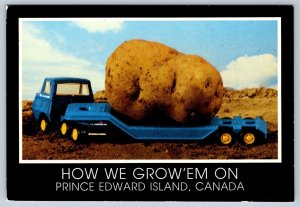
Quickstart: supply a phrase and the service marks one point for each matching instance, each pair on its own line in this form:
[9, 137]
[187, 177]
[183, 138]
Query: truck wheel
[43, 124]
[226, 137]
[75, 135]
[64, 129]
[249, 137]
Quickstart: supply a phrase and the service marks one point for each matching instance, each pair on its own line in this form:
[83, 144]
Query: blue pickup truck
[69, 103]
[55, 96]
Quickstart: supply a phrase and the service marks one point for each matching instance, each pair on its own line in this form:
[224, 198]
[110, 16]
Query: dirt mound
[29, 124]
[26, 105]
[250, 93]
[251, 103]
[99, 96]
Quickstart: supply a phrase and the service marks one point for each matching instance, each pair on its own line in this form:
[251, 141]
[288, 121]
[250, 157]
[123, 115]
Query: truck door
[43, 100]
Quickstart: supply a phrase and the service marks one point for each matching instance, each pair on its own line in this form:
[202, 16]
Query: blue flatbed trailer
[93, 118]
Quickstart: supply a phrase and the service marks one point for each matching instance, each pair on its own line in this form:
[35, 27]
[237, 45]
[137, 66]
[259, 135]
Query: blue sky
[245, 52]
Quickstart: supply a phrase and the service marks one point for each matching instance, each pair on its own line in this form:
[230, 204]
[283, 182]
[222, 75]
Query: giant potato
[146, 78]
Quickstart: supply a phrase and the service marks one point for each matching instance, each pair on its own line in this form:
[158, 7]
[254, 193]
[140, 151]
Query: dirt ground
[246, 103]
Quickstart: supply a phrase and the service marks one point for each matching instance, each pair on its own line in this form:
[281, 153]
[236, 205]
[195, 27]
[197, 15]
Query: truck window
[47, 88]
[79, 89]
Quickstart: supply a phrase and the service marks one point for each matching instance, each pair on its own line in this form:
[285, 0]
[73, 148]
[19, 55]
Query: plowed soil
[246, 103]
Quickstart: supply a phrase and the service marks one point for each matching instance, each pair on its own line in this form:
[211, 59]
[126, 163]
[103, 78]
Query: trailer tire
[64, 129]
[226, 137]
[249, 137]
[75, 135]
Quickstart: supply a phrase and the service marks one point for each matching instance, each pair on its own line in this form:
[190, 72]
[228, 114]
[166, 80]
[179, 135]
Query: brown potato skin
[146, 78]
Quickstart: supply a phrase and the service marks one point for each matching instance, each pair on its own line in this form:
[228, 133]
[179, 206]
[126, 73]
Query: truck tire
[43, 124]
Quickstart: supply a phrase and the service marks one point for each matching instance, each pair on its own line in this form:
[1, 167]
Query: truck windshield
[79, 89]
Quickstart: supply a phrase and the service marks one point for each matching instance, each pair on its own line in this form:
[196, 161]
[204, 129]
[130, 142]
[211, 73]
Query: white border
[279, 150]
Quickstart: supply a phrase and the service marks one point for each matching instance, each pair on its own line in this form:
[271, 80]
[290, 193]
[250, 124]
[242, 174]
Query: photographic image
[174, 89]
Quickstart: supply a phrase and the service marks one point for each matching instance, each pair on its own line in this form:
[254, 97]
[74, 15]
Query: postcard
[189, 103]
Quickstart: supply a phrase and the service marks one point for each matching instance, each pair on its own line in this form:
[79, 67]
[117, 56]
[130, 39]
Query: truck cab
[55, 96]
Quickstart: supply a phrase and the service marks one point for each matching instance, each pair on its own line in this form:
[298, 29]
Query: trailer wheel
[249, 137]
[226, 137]
[75, 135]
[64, 129]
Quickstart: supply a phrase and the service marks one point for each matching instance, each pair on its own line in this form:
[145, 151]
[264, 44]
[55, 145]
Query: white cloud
[250, 71]
[40, 59]
[35, 49]
[99, 25]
